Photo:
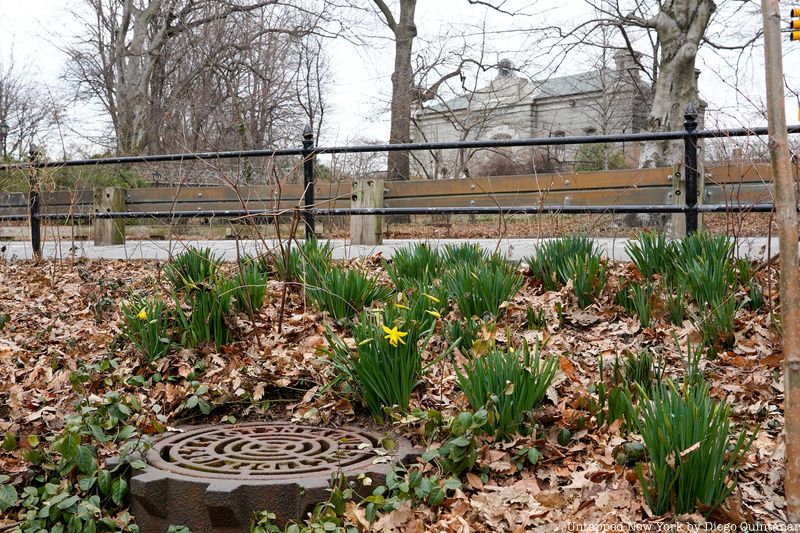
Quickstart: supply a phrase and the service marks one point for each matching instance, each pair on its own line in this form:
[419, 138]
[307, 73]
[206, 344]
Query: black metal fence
[690, 208]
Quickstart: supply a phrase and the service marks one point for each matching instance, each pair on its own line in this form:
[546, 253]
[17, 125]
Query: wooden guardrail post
[108, 231]
[366, 229]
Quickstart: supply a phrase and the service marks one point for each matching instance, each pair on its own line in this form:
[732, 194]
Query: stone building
[603, 101]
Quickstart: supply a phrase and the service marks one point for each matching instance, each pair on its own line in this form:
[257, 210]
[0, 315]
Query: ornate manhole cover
[263, 451]
[212, 478]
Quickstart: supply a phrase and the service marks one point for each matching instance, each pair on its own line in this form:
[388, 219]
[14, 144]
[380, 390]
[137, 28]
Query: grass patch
[589, 275]
[306, 262]
[205, 319]
[652, 254]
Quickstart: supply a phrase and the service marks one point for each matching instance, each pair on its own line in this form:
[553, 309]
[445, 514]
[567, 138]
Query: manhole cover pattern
[262, 451]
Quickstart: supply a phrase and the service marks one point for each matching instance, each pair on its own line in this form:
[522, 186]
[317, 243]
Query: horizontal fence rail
[732, 188]
[406, 147]
[743, 184]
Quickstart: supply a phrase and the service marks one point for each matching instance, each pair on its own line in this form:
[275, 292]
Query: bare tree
[406, 90]
[312, 79]
[140, 58]
[670, 33]
[24, 108]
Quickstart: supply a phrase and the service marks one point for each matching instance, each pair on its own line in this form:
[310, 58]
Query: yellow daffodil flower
[394, 335]
[365, 341]
[401, 306]
[142, 314]
[433, 313]
[431, 298]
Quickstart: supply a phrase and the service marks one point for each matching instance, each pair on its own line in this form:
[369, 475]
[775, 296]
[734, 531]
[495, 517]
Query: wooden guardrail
[736, 184]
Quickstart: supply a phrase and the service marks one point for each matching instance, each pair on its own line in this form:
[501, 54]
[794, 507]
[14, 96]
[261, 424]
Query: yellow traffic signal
[794, 24]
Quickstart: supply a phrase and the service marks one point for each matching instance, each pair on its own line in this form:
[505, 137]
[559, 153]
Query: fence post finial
[690, 117]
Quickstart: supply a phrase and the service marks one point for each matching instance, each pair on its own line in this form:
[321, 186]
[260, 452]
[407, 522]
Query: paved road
[513, 248]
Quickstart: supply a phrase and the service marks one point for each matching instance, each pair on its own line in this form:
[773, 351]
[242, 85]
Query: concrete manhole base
[212, 478]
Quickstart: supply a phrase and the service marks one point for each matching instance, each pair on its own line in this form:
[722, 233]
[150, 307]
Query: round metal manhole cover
[212, 478]
[264, 451]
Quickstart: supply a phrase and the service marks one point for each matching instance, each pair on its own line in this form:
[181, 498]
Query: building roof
[526, 91]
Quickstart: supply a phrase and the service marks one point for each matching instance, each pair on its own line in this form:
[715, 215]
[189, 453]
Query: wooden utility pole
[786, 209]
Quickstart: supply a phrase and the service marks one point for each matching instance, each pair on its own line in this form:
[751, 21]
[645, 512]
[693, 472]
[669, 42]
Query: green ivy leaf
[430, 455]
[136, 381]
[452, 484]
[461, 442]
[8, 497]
[68, 446]
[119, 490]
[98, 433]
[85, 459]
[104, 482]
[68, 502]
[9, 443]
[436, 497]
[87, 483]
[126, 433]
[534, 455]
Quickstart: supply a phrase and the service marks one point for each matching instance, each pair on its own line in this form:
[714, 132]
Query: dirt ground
[62, 315]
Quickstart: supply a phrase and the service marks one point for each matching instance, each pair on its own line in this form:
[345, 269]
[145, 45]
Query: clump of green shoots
[643, 300]
[201, 313]
[146, 325]
[386, 364]
[344, 293]
[509, 383]
[550, 265]
[652, 254]
[249, 287]
[589, 275]
[480, 289]
[192, 268]
[302, 263]
[536, 318]
[416, 265]
[690, 447]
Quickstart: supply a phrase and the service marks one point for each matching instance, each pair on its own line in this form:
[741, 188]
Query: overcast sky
[31, 30]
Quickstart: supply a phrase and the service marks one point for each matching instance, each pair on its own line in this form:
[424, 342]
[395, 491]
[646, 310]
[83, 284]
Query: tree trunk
[404, 31]
[786, 210]
[681, 26]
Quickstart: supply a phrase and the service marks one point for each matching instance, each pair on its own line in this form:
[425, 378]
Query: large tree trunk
[404, 32]
[680, 25]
